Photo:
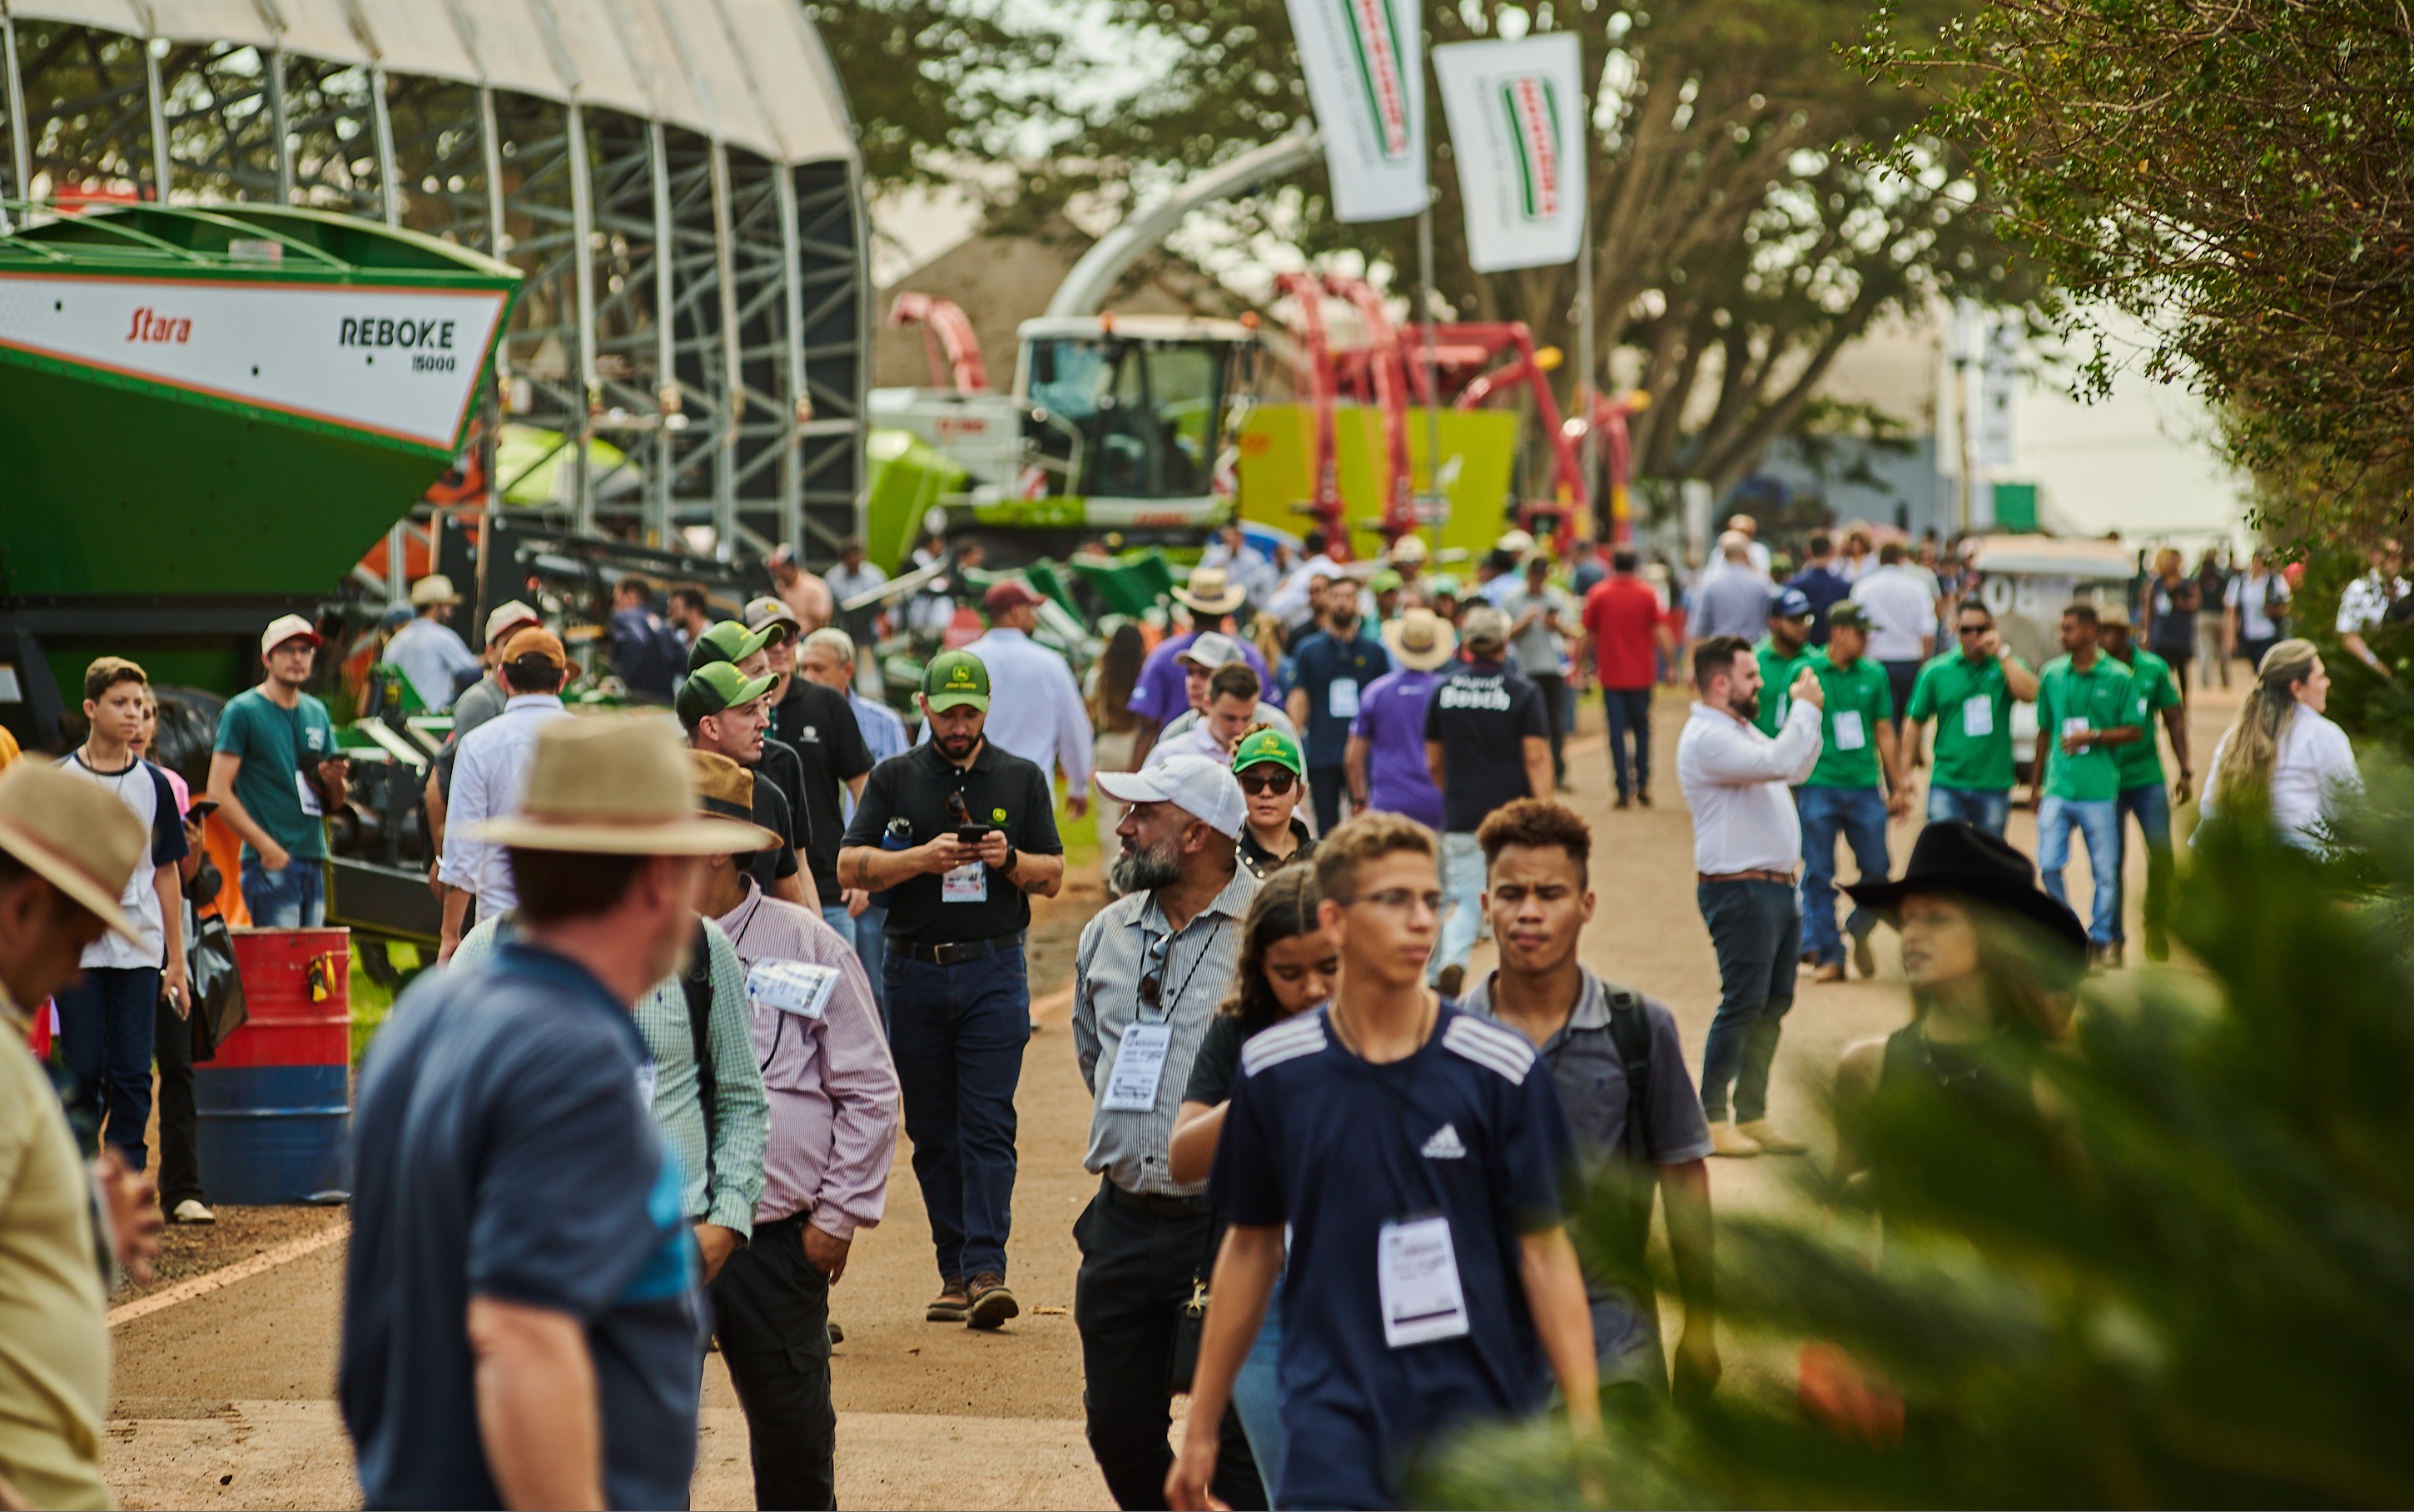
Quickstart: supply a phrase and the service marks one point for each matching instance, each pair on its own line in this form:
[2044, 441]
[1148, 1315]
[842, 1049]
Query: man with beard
[961, 831]
[1746, 842]
[1146, 980]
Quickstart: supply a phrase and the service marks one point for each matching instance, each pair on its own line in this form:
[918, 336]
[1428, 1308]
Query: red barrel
[297, 989]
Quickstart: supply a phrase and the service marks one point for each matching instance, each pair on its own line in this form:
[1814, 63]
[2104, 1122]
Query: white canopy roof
[748, 72]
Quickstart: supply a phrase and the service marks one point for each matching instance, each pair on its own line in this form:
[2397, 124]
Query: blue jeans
[958, 1036]
[1462, 881]
[1756, 928]
[2150, 803]
[871, 938]
[1629, 721]
[2098, 819]
[106, 1023]
[1256, 1396]
[1860, 814]
[1989, 809]
[294, 899]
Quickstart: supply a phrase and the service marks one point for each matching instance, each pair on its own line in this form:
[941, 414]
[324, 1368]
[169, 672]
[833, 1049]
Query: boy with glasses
[1969, 692]
[1415, 1155]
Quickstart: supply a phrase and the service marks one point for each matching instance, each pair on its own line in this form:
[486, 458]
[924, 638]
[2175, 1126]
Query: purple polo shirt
[1392, 720]
[1161, 694]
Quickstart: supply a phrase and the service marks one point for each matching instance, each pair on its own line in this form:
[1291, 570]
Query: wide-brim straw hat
[74, 835]
[1421, 639]
[615, 784]
[1212, 591]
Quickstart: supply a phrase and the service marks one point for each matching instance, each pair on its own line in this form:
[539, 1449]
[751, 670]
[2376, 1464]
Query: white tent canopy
[751, 73]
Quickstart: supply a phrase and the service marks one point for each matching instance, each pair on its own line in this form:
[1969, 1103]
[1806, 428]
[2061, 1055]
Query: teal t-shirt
[278, 745]
[2153, 690]
[1777, 674]
[2096, 699]
[1971, 702]
[1858, 700]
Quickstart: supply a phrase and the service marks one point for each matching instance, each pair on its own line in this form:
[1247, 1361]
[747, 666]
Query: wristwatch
[1005, 867]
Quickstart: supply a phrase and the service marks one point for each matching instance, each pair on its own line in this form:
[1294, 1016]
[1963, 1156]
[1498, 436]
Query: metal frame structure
[677, 180]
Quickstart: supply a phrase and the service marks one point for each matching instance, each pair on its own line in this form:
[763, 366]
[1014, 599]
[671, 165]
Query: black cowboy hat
[1955, 859]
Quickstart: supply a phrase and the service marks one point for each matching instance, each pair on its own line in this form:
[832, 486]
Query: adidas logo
[1444, 1145]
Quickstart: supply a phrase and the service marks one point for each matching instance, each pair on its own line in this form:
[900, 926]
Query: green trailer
[207, 416]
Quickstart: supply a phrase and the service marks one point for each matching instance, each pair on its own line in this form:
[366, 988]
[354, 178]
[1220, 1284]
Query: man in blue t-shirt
[1329, 674]
[521, 1309]
[1416, 1155]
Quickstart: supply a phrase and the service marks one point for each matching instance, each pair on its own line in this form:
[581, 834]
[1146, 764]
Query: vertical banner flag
[1365, 61]
[1518, 114]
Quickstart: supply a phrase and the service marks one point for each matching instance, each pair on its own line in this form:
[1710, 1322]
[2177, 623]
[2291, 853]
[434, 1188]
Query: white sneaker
[191, 1211]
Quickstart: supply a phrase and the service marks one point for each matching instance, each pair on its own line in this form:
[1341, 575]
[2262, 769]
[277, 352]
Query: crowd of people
[1335, 1161]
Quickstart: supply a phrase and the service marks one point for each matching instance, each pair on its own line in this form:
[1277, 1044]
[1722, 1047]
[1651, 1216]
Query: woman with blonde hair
[2284, 755]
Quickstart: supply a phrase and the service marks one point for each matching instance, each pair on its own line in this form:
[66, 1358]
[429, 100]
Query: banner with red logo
[1365, 61]
[1518, 114]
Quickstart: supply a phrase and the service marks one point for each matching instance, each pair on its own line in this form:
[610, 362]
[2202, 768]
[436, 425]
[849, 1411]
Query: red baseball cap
[1009, 594]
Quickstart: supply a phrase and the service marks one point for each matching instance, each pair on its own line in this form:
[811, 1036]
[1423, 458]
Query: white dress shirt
[2312, 768]
[1034, 707]
[435, 659]
[1902, 601]
[488, 776]
[1738, 782]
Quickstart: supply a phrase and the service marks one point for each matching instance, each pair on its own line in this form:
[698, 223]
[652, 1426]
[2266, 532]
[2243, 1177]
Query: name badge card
[1140, 1066]
[1851, 734]
[1416, 1272]
[1979, 715]
[967, 883]
[646, 1077]
[310, 804]
[1341, 698]
[2076, 725]
[797, 987]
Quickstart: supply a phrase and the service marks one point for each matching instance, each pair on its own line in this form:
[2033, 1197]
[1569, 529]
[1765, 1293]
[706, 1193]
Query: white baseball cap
[1203, 789]
[508, 615]
[1211, 649]
[286, 627]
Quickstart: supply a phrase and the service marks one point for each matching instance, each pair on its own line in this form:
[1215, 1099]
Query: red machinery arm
[945, 320]
[1390, 381]
[1315, 374]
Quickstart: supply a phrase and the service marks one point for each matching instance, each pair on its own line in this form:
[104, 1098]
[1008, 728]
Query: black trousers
[1326, 787]
[180, 1140]
[1554, 687]
[771, 1312]
[1136, 1271]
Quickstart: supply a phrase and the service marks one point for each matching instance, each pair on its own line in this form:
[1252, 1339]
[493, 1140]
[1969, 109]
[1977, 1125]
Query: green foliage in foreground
[2171, 1265]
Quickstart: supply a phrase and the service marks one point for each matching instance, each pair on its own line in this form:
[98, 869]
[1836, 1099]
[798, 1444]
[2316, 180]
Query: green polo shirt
[1972, 705]
[2151, 689]
[1858, 700]
[1777, 674]
[2101, 696]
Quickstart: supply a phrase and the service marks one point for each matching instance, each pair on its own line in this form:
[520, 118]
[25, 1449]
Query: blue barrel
[273, 1134]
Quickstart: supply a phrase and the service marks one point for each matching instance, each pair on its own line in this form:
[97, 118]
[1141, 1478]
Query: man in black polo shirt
[1487, 743]
[723, 712]
[959, 1000]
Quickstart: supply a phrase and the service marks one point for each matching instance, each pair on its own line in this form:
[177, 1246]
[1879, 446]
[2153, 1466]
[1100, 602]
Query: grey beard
[1144, 872]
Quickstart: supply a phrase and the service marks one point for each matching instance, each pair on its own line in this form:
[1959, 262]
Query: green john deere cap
[729, 641]
[1268, 745]
[956, 679]
[1386, 580]
[717, 686]
[1847, 615]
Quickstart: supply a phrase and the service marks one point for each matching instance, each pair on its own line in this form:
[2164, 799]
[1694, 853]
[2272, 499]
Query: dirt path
[222, 1398]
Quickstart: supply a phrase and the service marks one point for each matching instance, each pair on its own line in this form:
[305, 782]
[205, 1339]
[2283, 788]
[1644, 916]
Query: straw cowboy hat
[434, 588]
[616, 784]
[1421, 639]
[75, 835]
[1212, 591]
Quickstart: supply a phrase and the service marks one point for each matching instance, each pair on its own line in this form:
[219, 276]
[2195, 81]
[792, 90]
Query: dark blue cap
[1790, 604]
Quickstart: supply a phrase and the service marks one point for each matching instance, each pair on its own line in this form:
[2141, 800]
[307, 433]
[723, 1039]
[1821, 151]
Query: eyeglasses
[1152, 969]
[1396, 900]
[1277, 782]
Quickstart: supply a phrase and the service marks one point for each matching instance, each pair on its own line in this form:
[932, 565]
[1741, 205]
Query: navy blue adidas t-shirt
[505, 1151]
[1468, 1128]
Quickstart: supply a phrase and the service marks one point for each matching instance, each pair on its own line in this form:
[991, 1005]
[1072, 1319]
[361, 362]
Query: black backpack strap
[695, 984]
[1629, 1030]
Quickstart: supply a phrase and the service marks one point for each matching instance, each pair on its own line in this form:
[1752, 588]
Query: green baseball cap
[1386, 580]
[1847, 615]
[956, 679]
[731, 642]
[1440, 584]
[1268, 745]
[717, 686]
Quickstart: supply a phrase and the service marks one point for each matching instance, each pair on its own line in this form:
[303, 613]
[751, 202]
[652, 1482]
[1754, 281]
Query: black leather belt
[954, 952]
[1156, 1206]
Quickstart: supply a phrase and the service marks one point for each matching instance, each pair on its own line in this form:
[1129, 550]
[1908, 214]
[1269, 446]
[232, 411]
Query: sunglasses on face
[1257, 780]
